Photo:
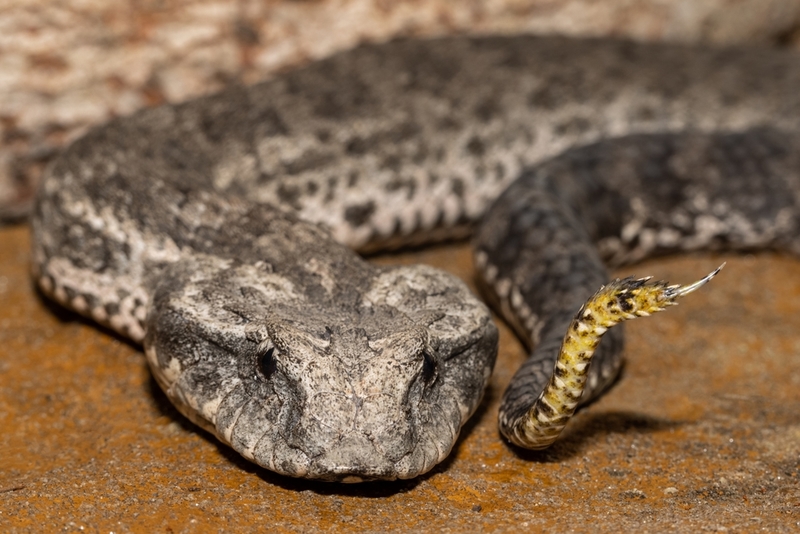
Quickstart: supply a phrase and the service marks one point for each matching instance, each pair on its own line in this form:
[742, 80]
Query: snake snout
[355, 457]
[354, 435]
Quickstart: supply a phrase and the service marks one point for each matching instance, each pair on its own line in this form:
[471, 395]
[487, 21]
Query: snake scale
[219, 232]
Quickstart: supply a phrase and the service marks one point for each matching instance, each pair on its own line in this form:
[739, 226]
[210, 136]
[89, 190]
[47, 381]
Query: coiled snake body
[203, 230]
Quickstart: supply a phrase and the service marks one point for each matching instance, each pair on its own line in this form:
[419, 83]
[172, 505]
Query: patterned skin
[218, 233]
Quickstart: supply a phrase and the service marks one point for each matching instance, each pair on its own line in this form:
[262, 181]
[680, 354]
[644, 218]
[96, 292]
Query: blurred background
[69, 64]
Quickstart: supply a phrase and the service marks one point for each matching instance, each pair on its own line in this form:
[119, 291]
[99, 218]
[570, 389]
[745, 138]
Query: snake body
[218, 232]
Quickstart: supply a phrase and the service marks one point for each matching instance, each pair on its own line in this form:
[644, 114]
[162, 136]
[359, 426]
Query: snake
[226, 234]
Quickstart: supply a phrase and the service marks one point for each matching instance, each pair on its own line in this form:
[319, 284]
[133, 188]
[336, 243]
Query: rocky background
[68, 64]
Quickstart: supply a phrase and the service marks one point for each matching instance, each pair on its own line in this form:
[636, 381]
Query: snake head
[377, 390]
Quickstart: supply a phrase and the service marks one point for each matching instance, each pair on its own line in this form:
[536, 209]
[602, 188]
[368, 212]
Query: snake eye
[429, 367]
[267, 363]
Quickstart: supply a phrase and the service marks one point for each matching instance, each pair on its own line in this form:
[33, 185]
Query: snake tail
[618, 301]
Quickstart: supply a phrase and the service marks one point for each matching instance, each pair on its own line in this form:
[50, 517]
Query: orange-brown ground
[701, 433]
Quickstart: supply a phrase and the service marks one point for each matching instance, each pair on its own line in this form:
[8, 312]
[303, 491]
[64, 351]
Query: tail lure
[613, 303]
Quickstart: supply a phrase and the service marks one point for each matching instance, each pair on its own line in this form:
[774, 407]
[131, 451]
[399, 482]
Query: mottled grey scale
[218, 232]
[548, 230]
